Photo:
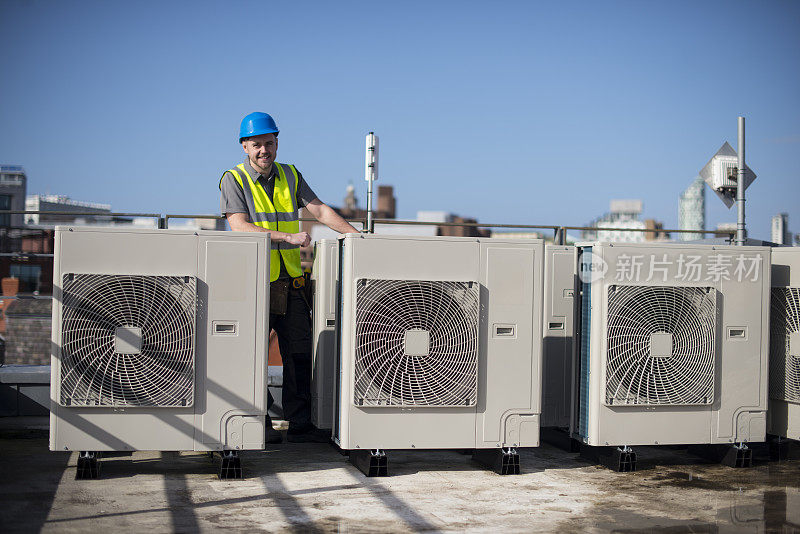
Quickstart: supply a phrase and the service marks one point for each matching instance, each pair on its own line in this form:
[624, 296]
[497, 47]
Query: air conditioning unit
[323, 276]
[439, 346]
[784, 408]
[559, 329]
[159, 341]
[671, 344]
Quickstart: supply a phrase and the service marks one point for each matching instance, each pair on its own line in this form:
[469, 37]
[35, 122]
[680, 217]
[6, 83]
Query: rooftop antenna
[370, 175]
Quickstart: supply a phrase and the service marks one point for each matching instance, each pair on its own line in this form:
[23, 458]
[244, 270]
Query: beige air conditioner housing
[671, 344]
[439, 342]
[159, 340]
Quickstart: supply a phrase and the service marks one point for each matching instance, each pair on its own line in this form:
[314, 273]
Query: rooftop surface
[312, 488]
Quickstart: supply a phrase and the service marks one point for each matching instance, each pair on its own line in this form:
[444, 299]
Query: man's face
[261, 149]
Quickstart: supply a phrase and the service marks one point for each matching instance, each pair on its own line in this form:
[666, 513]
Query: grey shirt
[231, 199]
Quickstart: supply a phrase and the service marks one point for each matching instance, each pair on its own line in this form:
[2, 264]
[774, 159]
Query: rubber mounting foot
[88, 466]
[619, 459]
[230, 467]
[738, 456]
[622, 460]
[503, 461]
[373, 463]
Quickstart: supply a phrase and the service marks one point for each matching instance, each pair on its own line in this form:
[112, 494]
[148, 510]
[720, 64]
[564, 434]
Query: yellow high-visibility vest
[277, 213]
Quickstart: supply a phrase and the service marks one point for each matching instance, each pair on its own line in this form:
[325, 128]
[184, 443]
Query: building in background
[448, 224]
[626, 208]
[780, 229]
[350, 199]
[623, 223]
[657, 234]
[30, 273]
[692, 209]
[616, 231]
[13, 188]
[62, 209]
[24, 324]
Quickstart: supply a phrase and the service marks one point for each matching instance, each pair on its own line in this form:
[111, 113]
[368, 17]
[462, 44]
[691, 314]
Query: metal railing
[559, 231]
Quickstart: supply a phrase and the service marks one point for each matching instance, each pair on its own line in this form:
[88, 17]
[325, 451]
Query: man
[261, 195]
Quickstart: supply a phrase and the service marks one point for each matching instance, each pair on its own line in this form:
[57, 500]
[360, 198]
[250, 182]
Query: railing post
[560, 236]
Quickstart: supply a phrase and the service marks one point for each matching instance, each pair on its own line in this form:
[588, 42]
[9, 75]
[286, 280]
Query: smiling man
[260, 195]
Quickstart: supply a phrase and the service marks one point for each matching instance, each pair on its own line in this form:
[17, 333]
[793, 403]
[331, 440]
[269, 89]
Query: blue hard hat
[257, 123]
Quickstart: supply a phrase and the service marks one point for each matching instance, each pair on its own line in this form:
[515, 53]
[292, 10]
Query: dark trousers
[294, 340]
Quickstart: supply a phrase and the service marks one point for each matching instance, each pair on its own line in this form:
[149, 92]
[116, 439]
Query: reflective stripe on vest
[278, 213]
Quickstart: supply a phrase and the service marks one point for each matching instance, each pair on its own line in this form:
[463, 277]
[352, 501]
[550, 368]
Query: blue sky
[510, 112]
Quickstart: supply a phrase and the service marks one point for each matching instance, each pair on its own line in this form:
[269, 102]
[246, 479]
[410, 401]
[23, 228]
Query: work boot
[271, 436]
[307, 433]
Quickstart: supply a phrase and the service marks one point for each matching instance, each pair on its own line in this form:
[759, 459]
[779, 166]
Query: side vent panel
[584, 322]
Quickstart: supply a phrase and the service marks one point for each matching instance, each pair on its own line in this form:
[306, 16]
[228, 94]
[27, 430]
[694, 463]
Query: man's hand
[302, 239]
[239, 223]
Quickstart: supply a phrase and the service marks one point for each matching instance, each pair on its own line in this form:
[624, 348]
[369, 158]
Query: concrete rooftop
[312, 488]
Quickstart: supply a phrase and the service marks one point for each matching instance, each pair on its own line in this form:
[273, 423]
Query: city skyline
[687, 207]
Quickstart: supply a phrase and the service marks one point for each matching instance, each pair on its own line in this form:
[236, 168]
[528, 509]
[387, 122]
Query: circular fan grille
[127, 340]
[683, 373]
[784, 355]
[440, 367]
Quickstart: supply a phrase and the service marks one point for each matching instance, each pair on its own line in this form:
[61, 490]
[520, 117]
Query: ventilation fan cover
[660, 345]
[416, 343]
[785, 344]
[127, 340]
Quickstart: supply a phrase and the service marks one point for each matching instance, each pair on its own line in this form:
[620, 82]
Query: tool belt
[279, 293]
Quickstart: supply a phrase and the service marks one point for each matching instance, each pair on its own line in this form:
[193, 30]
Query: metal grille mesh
[634, 376]
[160, 372]
[784, 356]
[385, 374]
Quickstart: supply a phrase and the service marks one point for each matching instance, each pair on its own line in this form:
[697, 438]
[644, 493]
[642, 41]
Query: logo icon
[592, 268]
